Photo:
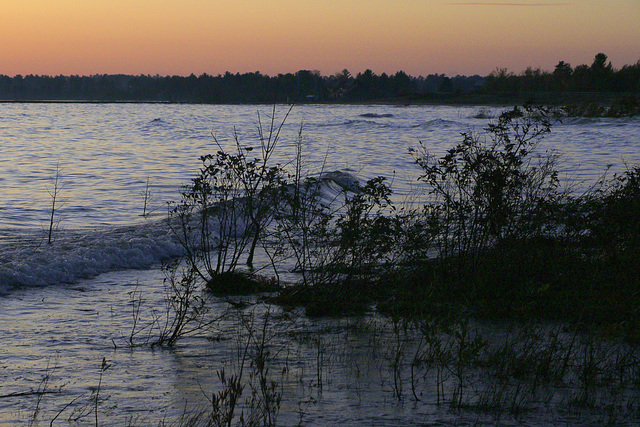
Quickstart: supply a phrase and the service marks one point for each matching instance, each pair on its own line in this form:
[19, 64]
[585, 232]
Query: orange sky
[171, 37]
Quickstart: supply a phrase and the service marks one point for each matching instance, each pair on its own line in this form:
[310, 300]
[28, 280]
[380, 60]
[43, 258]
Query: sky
[420, 37]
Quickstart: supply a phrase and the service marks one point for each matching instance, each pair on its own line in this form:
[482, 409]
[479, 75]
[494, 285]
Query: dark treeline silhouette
[310, 86]
[600, 76]
[302, 86]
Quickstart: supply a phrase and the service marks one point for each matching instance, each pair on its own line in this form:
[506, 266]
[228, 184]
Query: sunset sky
[171, 37]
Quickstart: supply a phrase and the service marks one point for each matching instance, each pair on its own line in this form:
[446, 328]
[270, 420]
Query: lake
[66, 307]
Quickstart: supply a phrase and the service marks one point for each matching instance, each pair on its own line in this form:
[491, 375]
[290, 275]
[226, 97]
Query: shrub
[337, 247]
[487, 191]
[224, 213]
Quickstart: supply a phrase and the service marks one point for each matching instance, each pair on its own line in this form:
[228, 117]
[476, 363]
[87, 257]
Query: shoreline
[435, 98]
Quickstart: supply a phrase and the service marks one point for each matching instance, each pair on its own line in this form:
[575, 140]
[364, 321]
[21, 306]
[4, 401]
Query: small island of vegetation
[498, 242]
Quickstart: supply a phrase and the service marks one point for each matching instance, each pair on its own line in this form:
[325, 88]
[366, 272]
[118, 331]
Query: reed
[54, 193]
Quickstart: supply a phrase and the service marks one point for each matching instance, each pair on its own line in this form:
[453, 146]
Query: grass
[453, 367]
[504, 296]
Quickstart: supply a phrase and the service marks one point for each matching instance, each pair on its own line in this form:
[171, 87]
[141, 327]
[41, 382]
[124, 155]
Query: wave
[578, 121]
[438, 124]
[338, 182]
[614, 122]
[27, 260]
[154, 125]
[365, 123]
[79, 254]
[484, 113]
[357, 123]
[376, 115]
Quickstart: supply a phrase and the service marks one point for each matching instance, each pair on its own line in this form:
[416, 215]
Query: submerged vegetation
[496, 235]
[499, 287]
[501, 293]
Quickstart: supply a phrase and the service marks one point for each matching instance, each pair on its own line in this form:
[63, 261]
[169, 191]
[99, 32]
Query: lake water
[67, 306]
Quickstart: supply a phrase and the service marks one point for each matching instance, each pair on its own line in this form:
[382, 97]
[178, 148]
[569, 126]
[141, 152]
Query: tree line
[600, 76]
[311, 86]
[302, 86]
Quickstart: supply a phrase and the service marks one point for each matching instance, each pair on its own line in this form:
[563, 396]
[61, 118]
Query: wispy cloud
[508, 4]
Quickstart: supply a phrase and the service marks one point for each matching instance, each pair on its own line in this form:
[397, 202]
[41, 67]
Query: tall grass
[493, 198]
[499, 238]
[54, 193]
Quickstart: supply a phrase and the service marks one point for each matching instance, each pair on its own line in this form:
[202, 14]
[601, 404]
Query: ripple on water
[106, 153]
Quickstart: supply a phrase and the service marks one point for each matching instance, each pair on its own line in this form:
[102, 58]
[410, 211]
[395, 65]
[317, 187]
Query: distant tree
[446, 85]
[384, 85]
[600, 63]
[561, 75]
[342, 84]
[580, 78]
[307, 84]
[532, 79]
[500, 80]
[563, 69]
[601, 73]
[366, 85]
[402, 84]
[432, 82]
[629, 77]
[343, 76]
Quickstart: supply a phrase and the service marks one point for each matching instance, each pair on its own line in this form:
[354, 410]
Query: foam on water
[106, 154]
[76, 254]
[66, 306]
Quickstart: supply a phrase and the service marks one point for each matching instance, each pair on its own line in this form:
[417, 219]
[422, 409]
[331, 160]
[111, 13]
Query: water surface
[67, 306]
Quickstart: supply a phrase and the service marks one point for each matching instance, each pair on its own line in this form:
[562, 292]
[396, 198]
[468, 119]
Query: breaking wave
[75, 254]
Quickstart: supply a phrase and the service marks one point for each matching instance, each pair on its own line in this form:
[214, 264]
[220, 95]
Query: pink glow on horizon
[419, 37]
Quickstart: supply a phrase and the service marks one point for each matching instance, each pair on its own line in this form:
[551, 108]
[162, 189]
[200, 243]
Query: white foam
[28, 260]
[77, 254]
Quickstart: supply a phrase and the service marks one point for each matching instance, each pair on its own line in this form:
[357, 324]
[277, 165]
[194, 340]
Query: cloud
[507, 4]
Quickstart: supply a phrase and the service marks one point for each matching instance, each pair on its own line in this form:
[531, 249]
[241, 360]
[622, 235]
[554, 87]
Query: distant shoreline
[445, 99]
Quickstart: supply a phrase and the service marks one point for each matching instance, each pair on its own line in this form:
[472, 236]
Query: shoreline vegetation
[492, 201]
[589, 90]
[500, 241]
[502, 297]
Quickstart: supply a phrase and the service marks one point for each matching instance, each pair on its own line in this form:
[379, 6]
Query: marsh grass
[54, 193]
[285, 368]
[146, 197]
[247, 391]
[505, 295]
